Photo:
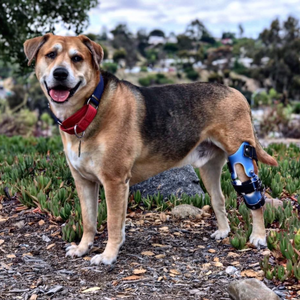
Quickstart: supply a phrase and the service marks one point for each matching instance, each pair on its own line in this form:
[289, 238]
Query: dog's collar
[80, 121]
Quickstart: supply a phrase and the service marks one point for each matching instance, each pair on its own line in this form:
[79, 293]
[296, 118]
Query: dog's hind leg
[258, 235]
[211, 177]
[116, 193]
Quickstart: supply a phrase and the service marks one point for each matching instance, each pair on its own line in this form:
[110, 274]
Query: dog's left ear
[95, 49]
[32, 46]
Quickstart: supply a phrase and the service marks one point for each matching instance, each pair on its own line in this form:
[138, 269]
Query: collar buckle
[93, 100]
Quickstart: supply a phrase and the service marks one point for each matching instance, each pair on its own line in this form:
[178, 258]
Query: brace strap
[248, 187]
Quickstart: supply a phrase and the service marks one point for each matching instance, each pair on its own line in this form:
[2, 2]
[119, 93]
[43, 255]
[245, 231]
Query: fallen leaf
[175, 272]
[218, 264]
[160, 279]
[50, 246]
[139, 271]
[165, 228]
[201, 247]
[132, 277]
[163, 217]
[216, 259]
[159, 245]
[41, 222]
[160, 256]
[1, 242]
[206, 208]
[87, 258]
[33, 297]
[148, 253]
[92, 289]
[212, 251]
[208, 273]
[27, 254]
[10, 256]
[233, 254]
[249, 273]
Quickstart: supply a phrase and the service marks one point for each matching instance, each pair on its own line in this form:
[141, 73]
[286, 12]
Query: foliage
[21, 20]
[277, 119]
[154, 79]
[191, 74]
[110, 67]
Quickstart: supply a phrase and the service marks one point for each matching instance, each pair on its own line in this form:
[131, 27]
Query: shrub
[192, 74]
[110, 67]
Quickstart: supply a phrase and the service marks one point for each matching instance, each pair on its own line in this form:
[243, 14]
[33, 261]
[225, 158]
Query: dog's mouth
[60, 93]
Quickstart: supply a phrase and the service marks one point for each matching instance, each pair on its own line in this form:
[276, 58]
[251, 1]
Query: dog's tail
[263, 156]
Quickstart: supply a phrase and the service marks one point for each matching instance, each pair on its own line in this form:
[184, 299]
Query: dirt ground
[162, 258]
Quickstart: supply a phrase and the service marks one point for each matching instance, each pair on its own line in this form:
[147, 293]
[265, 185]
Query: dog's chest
[83, 164]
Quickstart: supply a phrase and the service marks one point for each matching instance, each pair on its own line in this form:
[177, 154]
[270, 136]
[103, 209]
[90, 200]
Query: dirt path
[162, 258]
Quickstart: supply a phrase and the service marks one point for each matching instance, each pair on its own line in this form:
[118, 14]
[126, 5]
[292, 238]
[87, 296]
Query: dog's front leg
[88, 194]
[116, 193]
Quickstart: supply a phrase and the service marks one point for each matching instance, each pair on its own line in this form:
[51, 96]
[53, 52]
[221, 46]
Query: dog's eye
[51, 55]
[76, 58]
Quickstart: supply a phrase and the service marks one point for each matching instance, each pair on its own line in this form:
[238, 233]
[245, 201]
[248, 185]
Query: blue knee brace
[251, 190]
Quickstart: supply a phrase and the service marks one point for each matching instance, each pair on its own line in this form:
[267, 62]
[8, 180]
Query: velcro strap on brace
[248, 187]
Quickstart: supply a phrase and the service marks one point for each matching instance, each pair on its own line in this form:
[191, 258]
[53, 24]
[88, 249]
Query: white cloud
[174, 15]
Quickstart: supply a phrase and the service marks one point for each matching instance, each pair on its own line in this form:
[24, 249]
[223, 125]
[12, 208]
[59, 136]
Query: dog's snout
[60, 74]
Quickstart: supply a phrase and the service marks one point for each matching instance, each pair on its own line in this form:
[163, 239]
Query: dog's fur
[139, 132]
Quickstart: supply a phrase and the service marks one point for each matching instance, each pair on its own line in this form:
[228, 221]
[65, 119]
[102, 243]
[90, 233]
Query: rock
[274, 202]
[250, 289]
[186, 210]
[45, 239]
[176, 181]
[230, 270]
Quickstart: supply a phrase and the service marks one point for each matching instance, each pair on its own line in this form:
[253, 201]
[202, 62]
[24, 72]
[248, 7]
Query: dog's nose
[60, 74]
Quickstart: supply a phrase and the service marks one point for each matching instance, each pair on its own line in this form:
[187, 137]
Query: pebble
[46, 239]
[231, 270]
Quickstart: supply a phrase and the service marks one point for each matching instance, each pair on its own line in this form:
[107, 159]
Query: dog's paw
[104, 258]
[258, 240]
[220, 234]
[76, 250]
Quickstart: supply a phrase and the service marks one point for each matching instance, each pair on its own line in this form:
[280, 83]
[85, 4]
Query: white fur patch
[72, 52]
[58, 47]
[196, 160]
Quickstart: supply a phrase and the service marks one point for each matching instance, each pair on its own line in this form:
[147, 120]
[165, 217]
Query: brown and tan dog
[139, 132]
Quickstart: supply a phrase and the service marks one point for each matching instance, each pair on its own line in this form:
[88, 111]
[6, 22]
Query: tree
[157, 32]
[24, 19]
[123, 38]
[281, 44]
[241, 30]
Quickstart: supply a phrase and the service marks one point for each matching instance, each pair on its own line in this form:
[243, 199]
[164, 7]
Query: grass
[34, 170]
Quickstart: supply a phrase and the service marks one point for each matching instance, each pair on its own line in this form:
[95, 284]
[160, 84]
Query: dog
[136, 132]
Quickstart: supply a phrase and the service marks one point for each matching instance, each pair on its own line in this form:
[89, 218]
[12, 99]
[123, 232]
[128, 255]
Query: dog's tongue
[58, 95]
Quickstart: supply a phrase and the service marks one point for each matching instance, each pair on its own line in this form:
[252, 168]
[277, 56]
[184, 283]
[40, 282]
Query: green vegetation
[34, 170]
[154, 79]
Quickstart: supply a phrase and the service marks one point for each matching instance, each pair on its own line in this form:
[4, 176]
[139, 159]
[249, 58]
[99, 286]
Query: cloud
[175, 15]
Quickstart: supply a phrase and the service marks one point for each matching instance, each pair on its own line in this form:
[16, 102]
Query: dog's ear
[32, 46]
[95, 49]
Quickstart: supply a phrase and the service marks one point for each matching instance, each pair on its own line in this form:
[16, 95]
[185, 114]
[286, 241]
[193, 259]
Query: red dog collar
[80, 121]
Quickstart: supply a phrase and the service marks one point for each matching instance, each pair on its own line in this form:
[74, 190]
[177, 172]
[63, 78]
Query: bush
[144, 69]
[296, 109]
[154, 79]
[110, 67]
[192, 74]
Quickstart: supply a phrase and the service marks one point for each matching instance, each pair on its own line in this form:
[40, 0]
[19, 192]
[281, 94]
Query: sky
[174, 15]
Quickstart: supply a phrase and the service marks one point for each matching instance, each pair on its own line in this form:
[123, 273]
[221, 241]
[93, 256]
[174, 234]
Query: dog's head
[66, 67]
